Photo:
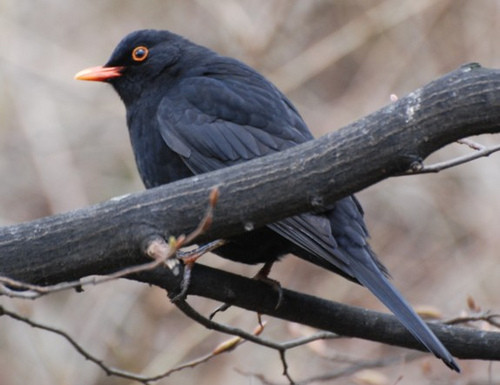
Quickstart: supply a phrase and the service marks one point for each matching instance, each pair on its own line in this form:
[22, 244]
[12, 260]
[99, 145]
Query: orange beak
[99, 74]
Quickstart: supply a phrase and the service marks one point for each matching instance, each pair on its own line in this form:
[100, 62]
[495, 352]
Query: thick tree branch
[114, 235]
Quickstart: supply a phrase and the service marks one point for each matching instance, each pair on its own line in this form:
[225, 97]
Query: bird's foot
[189, 258]
[218, 309]
[262, 275]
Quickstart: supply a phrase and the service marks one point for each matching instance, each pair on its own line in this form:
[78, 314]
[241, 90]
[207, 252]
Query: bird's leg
[189, 258]
[262, 275]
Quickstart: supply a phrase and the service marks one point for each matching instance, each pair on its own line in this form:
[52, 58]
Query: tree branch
[224, 347]
[326, 315]
[437, 167]
[114, 235]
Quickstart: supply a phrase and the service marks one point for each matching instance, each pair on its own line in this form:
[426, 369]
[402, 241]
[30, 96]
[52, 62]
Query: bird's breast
[156, 162]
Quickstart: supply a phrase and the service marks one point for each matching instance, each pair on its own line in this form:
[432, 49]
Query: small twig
[285, 367]
[313, 337]
[280, 347]
[107, 369]
[486, 317]
[194, 315]
[36, 291]
[212, 325]
[223, 347]
[471, 144]
[342, 372]
[206, 221]
[481, 151]
[226, 346]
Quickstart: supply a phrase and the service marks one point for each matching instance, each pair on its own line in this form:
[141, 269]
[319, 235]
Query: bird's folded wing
[312, 234]
[212, 126]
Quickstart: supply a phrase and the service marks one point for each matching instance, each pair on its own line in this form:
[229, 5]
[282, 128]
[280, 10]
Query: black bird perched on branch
[192, 111]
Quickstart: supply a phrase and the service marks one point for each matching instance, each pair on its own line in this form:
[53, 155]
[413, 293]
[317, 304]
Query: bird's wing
[327, 237]
[211, 125]
[208, 122]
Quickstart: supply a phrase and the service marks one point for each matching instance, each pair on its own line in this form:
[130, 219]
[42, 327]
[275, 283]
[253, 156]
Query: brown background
[63, 145]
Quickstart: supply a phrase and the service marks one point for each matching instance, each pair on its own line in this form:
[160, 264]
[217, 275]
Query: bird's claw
[276, 286]
[218, 309]
[189, 258]
[262, 276]
[186, 279]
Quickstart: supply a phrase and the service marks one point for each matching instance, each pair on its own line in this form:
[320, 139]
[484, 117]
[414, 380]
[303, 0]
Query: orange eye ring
[140, 53]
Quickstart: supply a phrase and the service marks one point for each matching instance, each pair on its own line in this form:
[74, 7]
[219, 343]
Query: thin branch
[471, 144]
[280, 347]
[207, 219]
[284, 363]
[36, 291]
[307, 339]
[342, 372]
[226, 346]
[212, 325]
[490, 318]
[31, 291]
[481, 151]
[223, 347]
[107, 369]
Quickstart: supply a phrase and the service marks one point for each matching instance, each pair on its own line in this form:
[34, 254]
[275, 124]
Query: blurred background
[64, 145]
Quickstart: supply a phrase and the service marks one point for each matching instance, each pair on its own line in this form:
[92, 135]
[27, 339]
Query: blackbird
[192, 111]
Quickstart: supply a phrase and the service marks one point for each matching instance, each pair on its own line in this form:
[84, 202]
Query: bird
[191, 111]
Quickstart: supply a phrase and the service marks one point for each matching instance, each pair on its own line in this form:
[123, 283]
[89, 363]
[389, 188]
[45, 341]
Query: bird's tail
[368, 275]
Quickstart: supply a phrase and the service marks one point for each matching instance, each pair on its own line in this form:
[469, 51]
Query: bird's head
[137, 62]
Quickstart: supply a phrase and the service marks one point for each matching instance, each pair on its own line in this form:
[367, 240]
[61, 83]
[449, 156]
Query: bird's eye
[140, 53]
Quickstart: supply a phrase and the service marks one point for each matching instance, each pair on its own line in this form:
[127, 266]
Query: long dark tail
[370, 276]
[336, 241]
